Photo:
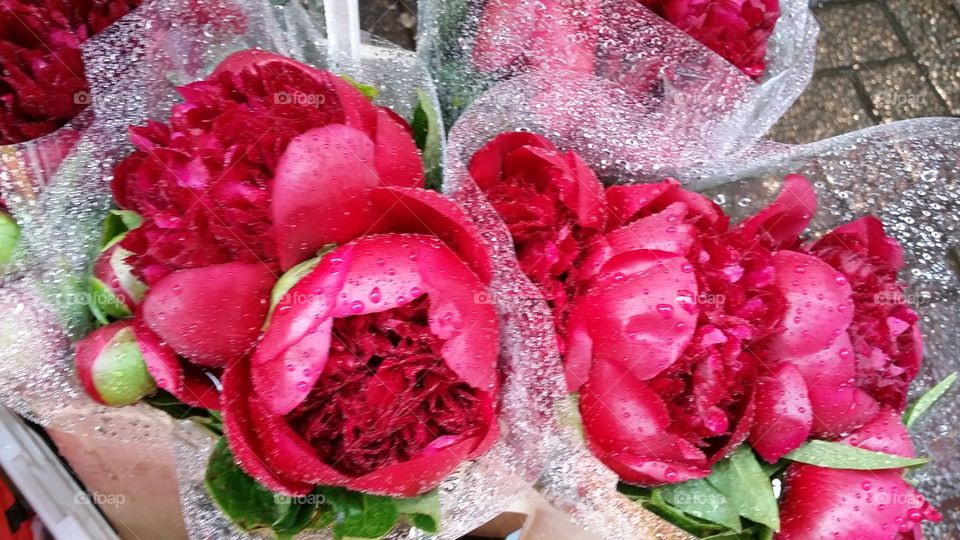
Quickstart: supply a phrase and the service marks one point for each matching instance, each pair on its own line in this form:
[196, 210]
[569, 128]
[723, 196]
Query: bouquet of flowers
[740, 375]
[750, 59]
[267, 268]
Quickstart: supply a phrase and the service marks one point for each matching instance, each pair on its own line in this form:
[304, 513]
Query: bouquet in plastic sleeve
[748, 60]
[745, 344]
[45, 95]
[245, 240]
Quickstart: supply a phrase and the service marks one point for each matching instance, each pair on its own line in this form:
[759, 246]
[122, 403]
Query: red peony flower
[546, 34]
[378, 369]
[42, 72]
[42, 85]
[206, 186]
[846, 504]
[204, 182]
[551, 35]
[657, 338]
[854, 342]
[737, 30]
[552, 204]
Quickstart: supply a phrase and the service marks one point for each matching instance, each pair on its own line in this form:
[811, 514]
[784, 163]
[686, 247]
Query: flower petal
[639, 319]
[319, 190]
[243, 441]
[186, 382]
[210, 315]
[293, 351]
[783, 415]
[780, 223]
[416, 476]
[819, 307]
[421, 211]
[397, 158]
[486, 166]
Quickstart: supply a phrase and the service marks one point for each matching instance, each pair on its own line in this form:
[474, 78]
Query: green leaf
[771, 469]
[836, 455]
[740, 478]
[700, 499]
[248, 504]
[928, 399]
[371, 92]
[700, 528]
[104, 305]
[634, 493]
[117, 223]
[293, 276]
[423, 511]
[426, 133]
[9, 236]
[359, 515]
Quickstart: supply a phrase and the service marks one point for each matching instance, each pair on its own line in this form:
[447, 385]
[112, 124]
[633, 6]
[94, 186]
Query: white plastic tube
[343, 33]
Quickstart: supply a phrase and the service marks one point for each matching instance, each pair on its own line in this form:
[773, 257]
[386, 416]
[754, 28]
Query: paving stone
[929, 24]
[899, 91]
[851, 33]
[830, 106]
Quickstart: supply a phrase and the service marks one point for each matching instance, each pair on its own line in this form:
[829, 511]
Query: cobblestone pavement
[877, 61]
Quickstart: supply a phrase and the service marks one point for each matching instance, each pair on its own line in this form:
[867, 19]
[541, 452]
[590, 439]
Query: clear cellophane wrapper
[678, 83]
[905, 173]
[133, 69]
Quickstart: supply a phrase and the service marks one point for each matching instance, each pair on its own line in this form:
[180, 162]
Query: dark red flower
[378, 369]
[553, 206]
[42, 83]
[657, 339]
[204, 181]
[737, 30]
[41, 72]
[229, 197]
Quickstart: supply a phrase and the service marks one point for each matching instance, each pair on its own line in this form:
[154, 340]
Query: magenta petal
[244, 443]
[187, 382]
[421, 211]
[293, 351]
[868, 232]
[819, 307]
[783, 415]
[210, 315]
[780, 223]
[416, 476]
[618, 410]
[840, 409]
[486, 166]
[469, 326]
[884, 433]
[319, 190]
[663, 231]
[284, 450]
[579, 352]
[639, 319]
[397, 158]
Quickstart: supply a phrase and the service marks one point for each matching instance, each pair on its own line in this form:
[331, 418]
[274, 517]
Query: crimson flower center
[385, 394]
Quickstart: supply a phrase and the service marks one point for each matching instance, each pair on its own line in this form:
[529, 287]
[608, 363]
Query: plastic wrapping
[674, 81]
[133, 69]
[906, 173]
